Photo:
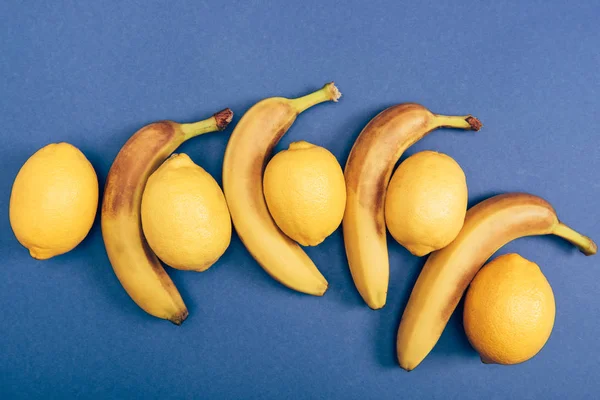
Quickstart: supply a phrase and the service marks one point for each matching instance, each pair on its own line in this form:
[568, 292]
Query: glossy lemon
[54, 200]
[184, 215]
[509, 310]
[305, 192]
[426, 202]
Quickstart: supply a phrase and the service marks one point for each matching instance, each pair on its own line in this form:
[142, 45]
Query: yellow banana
[134, 263]
[488, 226]
[250, 144]
[368, 171]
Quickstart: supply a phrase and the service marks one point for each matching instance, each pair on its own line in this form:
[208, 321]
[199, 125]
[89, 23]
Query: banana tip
[377, 300]
[223, 119]
[406, 366]
[322, 290]
[334, 91]
[591, 249]
[474, 123]
[179, 318]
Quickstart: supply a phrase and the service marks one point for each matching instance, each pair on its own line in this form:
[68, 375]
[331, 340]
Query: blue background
[92, 73]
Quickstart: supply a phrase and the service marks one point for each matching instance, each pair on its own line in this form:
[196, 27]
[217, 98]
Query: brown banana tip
[223, 119]
[179, 318]
[335, 92]
[474, 122]
[407, 369]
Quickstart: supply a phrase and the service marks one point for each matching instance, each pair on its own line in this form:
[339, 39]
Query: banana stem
[583, 243]
[327, 93]
[468, 122]
[217, 122]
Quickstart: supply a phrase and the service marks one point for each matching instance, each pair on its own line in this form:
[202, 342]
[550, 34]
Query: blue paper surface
[92, 73]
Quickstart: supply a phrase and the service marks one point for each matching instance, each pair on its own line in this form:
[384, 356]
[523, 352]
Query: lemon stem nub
[217, 122]
[583, 243]
[327, 93]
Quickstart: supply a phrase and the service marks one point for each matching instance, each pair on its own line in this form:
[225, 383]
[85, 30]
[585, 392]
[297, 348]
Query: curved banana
[250, 144]
[488, 226]
[134, 263]
[368, 171]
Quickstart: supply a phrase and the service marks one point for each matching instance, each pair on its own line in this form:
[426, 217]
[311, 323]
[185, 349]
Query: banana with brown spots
[137, 267]
[368, 172]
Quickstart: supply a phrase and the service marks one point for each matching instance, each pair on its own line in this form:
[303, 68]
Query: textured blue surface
[92, 73]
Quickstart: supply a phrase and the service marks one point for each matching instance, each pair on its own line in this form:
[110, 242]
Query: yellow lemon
[509, 310]
[184, 215]
[305, 192]
[54, 200]
[426, 202]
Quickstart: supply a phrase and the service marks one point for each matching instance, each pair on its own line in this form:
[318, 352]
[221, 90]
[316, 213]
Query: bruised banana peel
[488, 226]
[367, 173]
[137, 267]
